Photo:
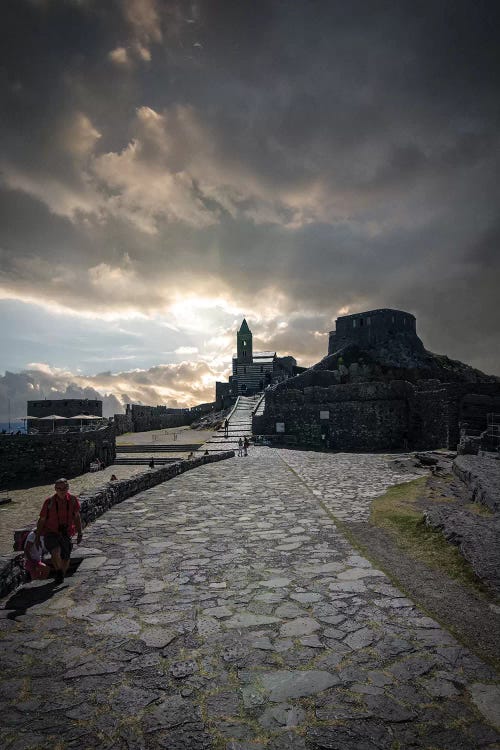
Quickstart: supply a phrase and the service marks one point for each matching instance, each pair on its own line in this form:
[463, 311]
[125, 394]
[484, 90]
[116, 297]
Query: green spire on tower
[244, 327]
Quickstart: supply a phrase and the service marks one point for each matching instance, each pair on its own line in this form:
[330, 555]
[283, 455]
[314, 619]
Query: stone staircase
[158, 448]
[240, 425]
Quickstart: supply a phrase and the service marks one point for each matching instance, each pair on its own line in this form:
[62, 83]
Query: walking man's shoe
[59, 578]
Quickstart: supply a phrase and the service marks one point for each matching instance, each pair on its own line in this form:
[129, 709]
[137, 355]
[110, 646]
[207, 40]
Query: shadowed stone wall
[123, 423]
[40, 457]
[360, 416]
[372, 327]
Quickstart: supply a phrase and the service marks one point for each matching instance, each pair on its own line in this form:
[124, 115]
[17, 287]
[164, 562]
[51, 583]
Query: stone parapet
[94, 504]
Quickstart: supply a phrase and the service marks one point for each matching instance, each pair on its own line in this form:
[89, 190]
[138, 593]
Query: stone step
[158, 448]
[138, 461]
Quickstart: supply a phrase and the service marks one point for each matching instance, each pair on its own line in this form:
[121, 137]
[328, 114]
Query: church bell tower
[244, 349]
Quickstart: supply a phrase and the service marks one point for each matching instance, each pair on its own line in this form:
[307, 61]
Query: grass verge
[399, 513]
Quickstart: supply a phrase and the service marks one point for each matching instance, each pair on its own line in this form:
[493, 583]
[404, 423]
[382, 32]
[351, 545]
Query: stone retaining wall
[49, 456]
[96, 503]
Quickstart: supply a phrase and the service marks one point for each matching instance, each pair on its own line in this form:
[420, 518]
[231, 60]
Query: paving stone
[158, 637]
[287, 741]
[172, 712]
[93, 668]
[360, 638]
[332, 660]
[380, 678]
[276, 583]
[128, 700]
[289, 610]
[207, 626]
[299, 626]
[283, 684]
[234, 652]
[252, 696]
[306, 598]
[440, 688]
[412, 667]
[344, 738]
[366, 689]
[486, 698]
[218, 612]
[387, 709]
[222, 704]
[118, 626]
[353, 574]
[282, 715]
[262, 642]
[91, 563]
[180, 669]
[312, 641]
[249, 620]
[340, 587]
[447, 739]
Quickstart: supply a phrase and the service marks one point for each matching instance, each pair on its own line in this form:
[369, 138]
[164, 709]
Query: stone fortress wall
[379, 390]
[139, 418]
[64, 407]
[360, 416]
[145, 418]
[371, 327]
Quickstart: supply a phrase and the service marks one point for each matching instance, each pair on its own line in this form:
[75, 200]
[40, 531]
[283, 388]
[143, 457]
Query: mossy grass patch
[399, 512]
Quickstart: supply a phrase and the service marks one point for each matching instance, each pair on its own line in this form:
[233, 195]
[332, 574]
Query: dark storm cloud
[324, 154]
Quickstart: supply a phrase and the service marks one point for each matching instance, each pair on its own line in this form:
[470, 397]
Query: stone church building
[253, 371]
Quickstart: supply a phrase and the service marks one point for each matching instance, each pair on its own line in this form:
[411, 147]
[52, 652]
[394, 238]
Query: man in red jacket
[59, 521]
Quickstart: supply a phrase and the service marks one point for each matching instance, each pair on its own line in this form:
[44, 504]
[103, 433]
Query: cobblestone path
[224, 610]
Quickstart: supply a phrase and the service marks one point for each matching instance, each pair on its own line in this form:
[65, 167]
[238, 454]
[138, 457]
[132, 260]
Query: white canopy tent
[52, 417]
[83, 417]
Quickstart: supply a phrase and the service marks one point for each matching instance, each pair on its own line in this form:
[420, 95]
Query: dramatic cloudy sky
[168, 167]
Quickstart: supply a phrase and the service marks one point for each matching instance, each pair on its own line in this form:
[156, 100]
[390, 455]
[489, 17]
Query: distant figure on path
[240, 448]
[152, 463]
[226, 428]
[113, 478]
[59, 521]
[245, 446]
[33, 558]
[206, 453]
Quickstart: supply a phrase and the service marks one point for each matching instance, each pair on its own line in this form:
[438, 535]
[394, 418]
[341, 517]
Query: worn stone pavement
[223, 609]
